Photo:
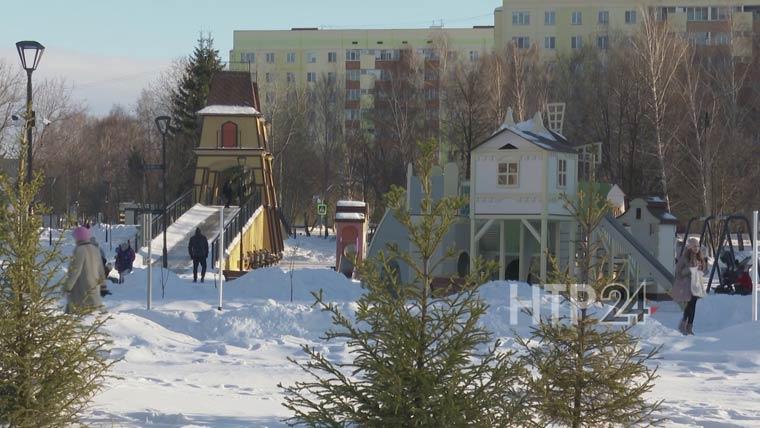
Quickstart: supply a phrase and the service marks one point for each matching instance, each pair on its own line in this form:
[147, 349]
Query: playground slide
[646, 266]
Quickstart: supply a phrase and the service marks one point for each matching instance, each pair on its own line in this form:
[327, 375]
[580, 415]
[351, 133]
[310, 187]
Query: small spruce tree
[419, 356]
[586, 373]
[51, 363]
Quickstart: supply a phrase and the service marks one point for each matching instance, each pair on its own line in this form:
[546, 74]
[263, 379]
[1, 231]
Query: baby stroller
[735, 278]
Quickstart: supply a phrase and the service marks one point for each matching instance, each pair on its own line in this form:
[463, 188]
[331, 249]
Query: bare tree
[659, 54]
[466, 121]
[10, 103]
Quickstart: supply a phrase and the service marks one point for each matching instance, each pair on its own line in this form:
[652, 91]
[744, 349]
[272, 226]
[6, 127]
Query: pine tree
[51, 363]
[189, 97]
[586, 373]
[419, 356]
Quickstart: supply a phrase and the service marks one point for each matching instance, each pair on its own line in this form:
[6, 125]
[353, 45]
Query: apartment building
[357, 59]
[563, 25]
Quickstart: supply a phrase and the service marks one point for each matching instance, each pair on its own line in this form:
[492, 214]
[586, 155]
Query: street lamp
[241, 160]
[30, 53]
[163, 123]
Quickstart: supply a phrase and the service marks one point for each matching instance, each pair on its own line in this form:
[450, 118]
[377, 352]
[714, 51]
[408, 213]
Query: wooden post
[502, 249]
[521, 254]
[544, 248]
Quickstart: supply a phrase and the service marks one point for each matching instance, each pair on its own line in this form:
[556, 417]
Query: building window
[604, 17]
[521, 42]
[550, 17]
[576, 42]
[352, 75]
[229, 135]
[270, 57]
[352, 114]
[290, 58]
[719, 13]
[561, 172]
[331, 77]
[431, 74]
[352, 94]
[269, 77]
[311, 77]
[332, 57]
[431, 94]
[697, 14]
[630, 16]
[577, 18]
[290, 77]
[474, 55]
[249, 57]
[603, 42]
[353, 54]
[509, 174]
[720, 38]
[550, 42]
[311, 57]
[520, 18]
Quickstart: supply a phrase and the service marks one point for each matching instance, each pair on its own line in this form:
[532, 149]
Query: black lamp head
[30, 53]
[163, 123]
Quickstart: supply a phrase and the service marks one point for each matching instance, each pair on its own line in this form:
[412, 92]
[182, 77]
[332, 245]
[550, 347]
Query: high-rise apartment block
[563, 25]
[356, 59]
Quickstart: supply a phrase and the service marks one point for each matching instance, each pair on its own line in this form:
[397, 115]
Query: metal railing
[234, 225]
[641, 264]
[173, 212]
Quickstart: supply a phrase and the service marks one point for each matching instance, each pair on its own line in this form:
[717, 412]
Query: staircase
[628, 257]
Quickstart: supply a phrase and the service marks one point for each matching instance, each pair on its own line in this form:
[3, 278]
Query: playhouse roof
[659, 208]
[533, 130]
[231, 93]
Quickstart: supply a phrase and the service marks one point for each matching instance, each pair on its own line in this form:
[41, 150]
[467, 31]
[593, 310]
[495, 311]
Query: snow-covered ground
[185, 363]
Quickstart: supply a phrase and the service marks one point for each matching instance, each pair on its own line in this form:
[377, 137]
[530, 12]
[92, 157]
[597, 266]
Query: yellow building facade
[556, 26]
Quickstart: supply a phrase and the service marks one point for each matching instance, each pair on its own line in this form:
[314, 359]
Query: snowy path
[178, 235]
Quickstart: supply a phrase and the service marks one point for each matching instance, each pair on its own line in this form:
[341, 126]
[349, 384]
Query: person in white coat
[85, 275]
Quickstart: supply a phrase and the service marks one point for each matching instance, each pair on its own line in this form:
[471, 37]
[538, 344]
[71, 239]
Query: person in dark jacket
[125, 257]
[227, 193]
[198, 249]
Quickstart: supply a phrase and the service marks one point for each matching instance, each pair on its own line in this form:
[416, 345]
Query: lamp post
[50, 228]
[163, 123]
[30, 53]
[241, 160]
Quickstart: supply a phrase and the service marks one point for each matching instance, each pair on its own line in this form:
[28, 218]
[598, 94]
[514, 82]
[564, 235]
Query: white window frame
[352, 75]
[550, 42]
[561, 173]
[520, 18]
[290, 77]
[353, 54]
[576, 42]
[474, 56]
[630, 17]
[290, 58]
[508, 173]
[311, 76]
[311, 57]
[602, 42]
[332, 57]
[576, 18]
[521, 42]
[603, 17]
[550, 17]
[270, 57]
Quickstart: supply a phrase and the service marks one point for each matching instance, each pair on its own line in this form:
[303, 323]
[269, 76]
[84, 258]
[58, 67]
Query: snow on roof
[349, 216]
[351, 204]
[229, 110]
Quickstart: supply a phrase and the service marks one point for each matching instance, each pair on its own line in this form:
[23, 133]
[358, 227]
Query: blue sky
[108, 50]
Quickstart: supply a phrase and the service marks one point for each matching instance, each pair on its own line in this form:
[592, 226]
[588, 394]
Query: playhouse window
[229, 134]
[509, 172]
[561, 172]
